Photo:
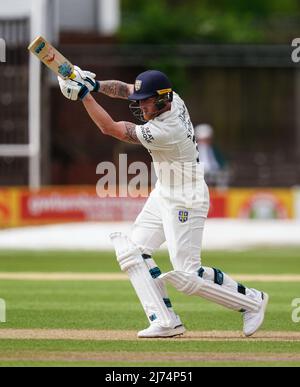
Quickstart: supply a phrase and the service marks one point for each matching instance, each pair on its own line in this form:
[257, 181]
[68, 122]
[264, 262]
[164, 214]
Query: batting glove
[73, 90]
[86, 78]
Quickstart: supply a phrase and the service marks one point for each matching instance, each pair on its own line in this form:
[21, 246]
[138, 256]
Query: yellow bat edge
[52, 58]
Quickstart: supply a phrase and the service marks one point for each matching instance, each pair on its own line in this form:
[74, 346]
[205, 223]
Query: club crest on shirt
[138, 85]
[183, 216]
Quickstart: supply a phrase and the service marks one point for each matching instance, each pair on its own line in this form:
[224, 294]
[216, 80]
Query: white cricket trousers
[182, 228]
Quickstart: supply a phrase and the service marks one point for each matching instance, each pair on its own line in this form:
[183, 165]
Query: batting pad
[191, 284]
[131, 261]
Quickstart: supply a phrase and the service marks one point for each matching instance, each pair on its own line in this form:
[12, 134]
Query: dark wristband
[83, 92]
[97, 87]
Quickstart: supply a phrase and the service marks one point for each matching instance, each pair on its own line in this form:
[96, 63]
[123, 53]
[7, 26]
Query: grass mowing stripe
[149, 346]
[26, 276]
[146, 364]
[112, 335]
[255, 261]
[155, 357]
[114, 306]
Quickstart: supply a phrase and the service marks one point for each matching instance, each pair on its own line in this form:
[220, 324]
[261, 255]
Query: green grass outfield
[113, 306]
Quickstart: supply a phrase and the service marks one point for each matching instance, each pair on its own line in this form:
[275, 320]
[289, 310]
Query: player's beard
[143, 114]
[148, 116]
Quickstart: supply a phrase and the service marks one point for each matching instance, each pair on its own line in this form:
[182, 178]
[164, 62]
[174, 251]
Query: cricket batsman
[176, 210]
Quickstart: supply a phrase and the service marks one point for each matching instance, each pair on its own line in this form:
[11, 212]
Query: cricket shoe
[156, 330]
[254, 320]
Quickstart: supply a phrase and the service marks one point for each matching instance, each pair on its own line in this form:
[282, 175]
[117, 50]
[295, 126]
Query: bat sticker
[50, 57]
[65, 70]
[40, 47]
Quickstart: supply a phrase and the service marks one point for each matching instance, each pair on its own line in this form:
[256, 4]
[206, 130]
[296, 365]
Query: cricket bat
[52, 58]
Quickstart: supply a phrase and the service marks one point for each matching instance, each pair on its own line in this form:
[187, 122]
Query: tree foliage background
[209, 21]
